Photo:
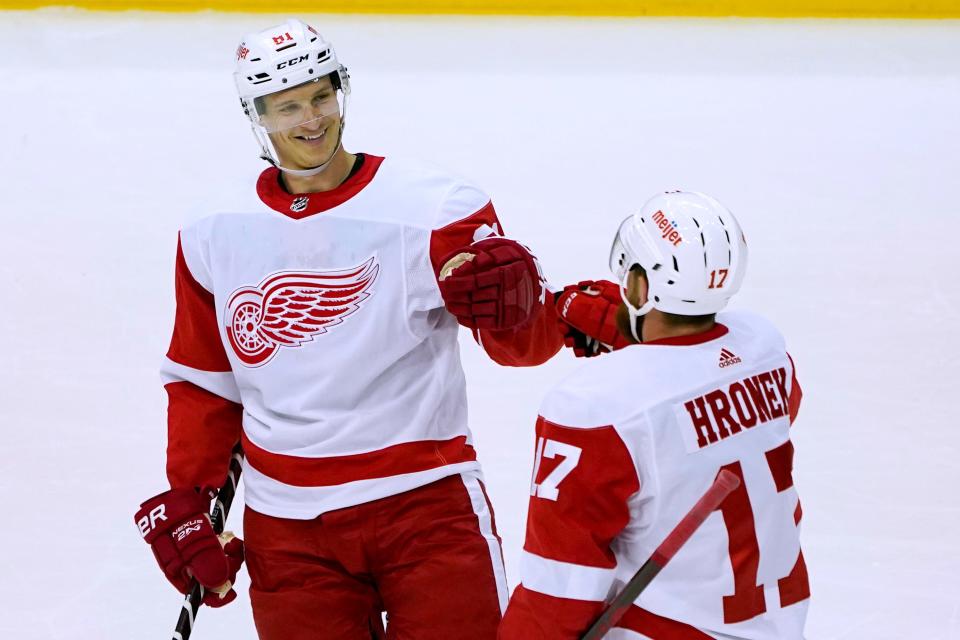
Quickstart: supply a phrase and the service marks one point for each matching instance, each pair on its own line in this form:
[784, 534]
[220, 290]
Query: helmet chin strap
[635, 313]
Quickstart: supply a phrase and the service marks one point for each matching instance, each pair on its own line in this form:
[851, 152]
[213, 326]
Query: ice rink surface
[836, 143]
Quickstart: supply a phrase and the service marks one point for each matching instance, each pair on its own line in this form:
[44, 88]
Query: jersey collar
[302, 205]
[717, 331]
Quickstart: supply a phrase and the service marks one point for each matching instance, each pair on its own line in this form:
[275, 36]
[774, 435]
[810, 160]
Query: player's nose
[317, 119]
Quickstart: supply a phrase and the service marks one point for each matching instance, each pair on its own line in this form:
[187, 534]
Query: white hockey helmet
[691, 248]
[279, 58]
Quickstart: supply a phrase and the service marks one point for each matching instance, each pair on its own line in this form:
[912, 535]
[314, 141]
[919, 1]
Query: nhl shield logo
[300, 204]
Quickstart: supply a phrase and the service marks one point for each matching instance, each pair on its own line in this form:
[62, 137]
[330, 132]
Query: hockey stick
[218, 516]
[725, 483]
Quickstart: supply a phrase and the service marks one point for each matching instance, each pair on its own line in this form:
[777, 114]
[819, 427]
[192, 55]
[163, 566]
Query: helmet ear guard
[341, 79]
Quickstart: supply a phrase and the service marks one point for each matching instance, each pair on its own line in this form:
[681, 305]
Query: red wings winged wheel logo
[290, 308]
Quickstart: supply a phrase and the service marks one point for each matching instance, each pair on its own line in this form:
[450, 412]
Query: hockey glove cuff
[587, 314]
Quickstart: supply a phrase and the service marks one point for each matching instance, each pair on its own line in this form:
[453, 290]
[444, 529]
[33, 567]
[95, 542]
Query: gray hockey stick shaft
[218, 516]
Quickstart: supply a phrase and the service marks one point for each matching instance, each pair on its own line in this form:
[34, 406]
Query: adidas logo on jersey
[728, 358]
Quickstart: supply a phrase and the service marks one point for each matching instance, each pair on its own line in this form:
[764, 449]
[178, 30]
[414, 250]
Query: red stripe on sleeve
[460, 233]
[796, 393]
[202, 427]
[201, 430]
[527, 347]
[590, 507]
[582, 481]
[196, 338]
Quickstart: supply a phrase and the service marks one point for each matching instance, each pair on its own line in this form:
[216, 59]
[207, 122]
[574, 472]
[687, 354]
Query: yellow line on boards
[707, 8]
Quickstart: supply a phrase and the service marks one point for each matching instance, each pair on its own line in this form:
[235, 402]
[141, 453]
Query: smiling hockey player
[317, 324]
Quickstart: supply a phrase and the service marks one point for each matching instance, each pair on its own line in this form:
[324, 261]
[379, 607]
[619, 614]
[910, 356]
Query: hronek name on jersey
[724, 412]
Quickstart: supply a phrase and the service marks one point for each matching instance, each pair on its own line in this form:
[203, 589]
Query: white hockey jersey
[312, 328]
[625, 447]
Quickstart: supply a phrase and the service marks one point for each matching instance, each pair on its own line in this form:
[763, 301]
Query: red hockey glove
[492, 284]
[177, 527]
[587, 313]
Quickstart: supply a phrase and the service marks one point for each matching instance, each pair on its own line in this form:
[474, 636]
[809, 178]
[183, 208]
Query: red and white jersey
[315, 322]
[625, 447]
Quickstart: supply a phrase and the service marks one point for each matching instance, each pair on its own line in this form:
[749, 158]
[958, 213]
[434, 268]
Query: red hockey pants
[429, 557]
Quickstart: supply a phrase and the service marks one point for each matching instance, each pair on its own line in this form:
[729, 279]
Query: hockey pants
[429, 557]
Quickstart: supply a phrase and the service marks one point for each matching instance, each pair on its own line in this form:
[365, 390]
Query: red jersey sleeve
[796, 393]
[204, 414]
[582, 482]
[530, 346]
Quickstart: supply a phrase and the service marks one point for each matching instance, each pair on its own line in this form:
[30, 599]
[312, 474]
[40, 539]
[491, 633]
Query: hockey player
[627, 444]
[317, 323]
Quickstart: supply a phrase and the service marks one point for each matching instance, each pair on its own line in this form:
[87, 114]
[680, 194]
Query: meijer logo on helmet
[669, 229]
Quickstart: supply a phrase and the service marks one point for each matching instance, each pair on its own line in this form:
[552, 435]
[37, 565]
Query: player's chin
[304, 161]
[316, 154]
[623, 323]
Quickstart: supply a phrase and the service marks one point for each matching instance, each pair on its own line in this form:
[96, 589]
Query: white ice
[837, 143]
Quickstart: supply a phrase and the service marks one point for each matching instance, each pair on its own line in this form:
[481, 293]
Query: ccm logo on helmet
[293, 61]
[669, 229]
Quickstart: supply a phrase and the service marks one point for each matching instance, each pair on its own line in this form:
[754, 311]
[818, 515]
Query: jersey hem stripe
[269, 497]
[407, 457]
